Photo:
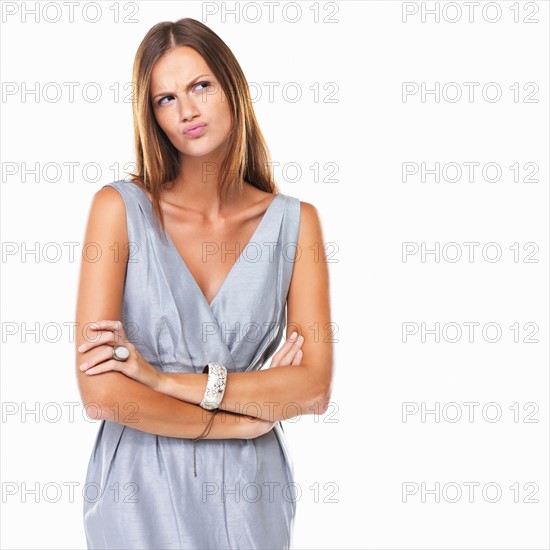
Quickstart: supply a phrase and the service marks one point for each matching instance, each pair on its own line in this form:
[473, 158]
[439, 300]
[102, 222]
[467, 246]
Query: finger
[284, 350]
[298, 357]
[289, 356]
[293, 342]
[106, 366]
[289, 342]
[104, 337]
[102, 355]
[105, 325]
[292, 338]
[113, 329]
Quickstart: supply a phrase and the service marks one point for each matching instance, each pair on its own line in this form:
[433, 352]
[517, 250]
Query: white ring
[120, 353]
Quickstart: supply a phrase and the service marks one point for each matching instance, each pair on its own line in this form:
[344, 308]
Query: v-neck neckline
[233, 268]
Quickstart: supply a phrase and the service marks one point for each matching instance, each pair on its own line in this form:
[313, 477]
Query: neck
[197, 184]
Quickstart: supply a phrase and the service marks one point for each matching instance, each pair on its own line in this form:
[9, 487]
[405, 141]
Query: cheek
[164, 121]
[158, 117]
[224, 116]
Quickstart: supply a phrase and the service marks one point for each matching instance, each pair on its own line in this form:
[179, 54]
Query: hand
[111, 334]
[290, 352]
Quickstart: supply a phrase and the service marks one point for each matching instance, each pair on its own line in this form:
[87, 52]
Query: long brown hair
[248, 156]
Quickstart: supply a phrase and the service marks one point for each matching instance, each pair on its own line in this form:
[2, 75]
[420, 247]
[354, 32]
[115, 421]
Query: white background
[362, 452]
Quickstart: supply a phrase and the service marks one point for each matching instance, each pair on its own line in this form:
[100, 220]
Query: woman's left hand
[111, 334]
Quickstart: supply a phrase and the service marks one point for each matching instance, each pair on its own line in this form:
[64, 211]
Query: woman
[191, 452]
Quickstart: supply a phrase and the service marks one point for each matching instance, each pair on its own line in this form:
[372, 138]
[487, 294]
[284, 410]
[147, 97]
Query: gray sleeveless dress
[141, 490]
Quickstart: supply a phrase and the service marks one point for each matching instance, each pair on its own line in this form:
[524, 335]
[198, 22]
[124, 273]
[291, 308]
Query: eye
[159, 102]
[205, 82]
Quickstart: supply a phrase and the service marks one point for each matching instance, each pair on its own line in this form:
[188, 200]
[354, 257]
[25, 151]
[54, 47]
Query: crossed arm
[253, 401]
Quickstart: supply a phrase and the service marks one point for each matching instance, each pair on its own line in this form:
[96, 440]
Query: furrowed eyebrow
[188, 86]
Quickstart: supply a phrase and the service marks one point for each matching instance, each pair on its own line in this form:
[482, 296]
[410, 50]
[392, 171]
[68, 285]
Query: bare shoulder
[310, 224]
[109, 197]
[107, 218]
[108, 203]
[311, 263]
[309, 212]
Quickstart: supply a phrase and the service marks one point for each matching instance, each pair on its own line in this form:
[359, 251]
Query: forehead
[179, 64]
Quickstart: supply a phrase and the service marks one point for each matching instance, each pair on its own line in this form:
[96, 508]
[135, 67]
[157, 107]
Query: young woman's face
[184, 93]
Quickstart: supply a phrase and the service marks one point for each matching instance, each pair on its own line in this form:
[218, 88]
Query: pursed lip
[192, 127]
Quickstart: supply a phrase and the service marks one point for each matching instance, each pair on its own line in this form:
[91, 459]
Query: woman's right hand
[289, 354]
[250, 427]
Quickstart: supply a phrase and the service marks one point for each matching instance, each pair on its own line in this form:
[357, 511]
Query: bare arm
[290, 390]
[144, 409]
[112, 395]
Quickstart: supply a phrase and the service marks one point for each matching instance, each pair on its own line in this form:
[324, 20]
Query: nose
[188, 109]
